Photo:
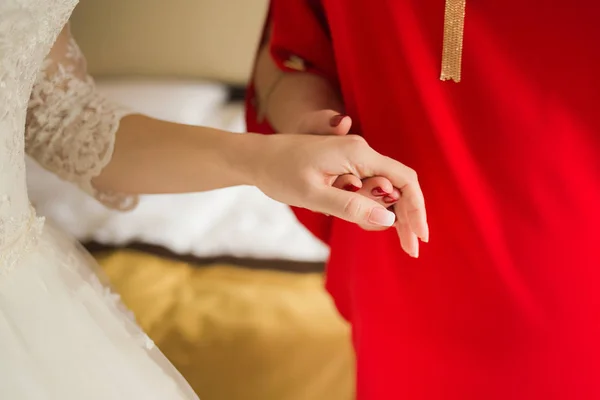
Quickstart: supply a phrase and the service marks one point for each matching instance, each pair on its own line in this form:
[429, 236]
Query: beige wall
[209, 39]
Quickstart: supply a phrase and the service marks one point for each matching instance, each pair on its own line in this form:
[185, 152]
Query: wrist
[245, 154]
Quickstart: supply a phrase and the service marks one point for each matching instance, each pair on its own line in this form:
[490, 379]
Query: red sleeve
[299, 40]
[299, 30]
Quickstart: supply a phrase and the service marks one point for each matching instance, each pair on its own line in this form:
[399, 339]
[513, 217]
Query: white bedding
[237, 221]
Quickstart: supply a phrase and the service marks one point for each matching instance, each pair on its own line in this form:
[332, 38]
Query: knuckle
[353, 208]
[412, 174]
[358, 151]
[416, 205]
[356, 141]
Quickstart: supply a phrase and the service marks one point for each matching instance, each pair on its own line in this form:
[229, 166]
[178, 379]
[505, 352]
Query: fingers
[417, 220]
[376, 188]
[339, 124]
[371, 188]
[408, 238]
[413, 202]
[381, 190]
[364, 162]
[325, 122]
[348, 182]
[354, 208]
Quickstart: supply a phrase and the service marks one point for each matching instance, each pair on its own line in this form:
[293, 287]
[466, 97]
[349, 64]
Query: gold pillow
[236, 333]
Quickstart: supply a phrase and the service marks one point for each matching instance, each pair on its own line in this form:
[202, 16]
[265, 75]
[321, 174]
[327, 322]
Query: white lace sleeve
[70, 127]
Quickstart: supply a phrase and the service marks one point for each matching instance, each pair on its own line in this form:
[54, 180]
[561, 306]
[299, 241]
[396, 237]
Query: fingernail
[425, 237]
[413, 250]
[336, 120]
[379, 192]
[389, 200]
[382, 217]
[351, 188]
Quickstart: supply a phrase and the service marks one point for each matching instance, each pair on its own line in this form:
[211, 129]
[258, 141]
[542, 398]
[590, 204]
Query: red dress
[504, 303]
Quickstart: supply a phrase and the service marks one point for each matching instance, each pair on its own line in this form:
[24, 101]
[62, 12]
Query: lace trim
[114, 299]
[22, 242]
[71, 129]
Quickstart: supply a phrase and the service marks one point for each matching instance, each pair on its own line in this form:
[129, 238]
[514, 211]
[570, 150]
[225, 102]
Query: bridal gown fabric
[63, 334]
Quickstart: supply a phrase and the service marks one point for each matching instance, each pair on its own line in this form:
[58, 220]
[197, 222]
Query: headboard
[206, 39]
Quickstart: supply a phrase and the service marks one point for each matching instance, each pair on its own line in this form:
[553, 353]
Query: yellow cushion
[236, 333]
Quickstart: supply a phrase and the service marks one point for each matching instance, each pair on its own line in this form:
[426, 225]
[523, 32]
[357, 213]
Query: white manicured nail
[382, 217]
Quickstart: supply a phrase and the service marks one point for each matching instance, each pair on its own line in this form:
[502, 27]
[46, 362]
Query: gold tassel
[454, 24]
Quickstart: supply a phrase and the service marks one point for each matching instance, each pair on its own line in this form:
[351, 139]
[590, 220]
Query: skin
[306, 103]
[155, 156]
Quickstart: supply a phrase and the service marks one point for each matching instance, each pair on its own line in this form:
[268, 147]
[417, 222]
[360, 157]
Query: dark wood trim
[199, 262]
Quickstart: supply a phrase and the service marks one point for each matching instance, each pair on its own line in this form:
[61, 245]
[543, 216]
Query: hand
[301, 170]
[376, 188]
[329, 122]
[380, 189]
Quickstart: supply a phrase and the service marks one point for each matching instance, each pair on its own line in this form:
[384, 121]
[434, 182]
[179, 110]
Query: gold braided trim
[454, 23]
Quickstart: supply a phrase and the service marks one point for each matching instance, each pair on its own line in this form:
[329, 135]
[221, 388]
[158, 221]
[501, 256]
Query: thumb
[325, 122]
[355, 208]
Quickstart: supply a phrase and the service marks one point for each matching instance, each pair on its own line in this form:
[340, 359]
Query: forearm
[285, 97]
[153, 156]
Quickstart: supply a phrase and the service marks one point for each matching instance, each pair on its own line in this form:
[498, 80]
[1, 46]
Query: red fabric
[504, 303]
[312, 46]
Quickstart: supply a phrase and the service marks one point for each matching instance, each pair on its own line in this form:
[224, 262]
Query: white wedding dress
[63, 334]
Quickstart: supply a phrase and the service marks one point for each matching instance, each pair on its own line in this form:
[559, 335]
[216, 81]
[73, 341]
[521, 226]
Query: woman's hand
[306, 103]
[379, 188]
[300, 170]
